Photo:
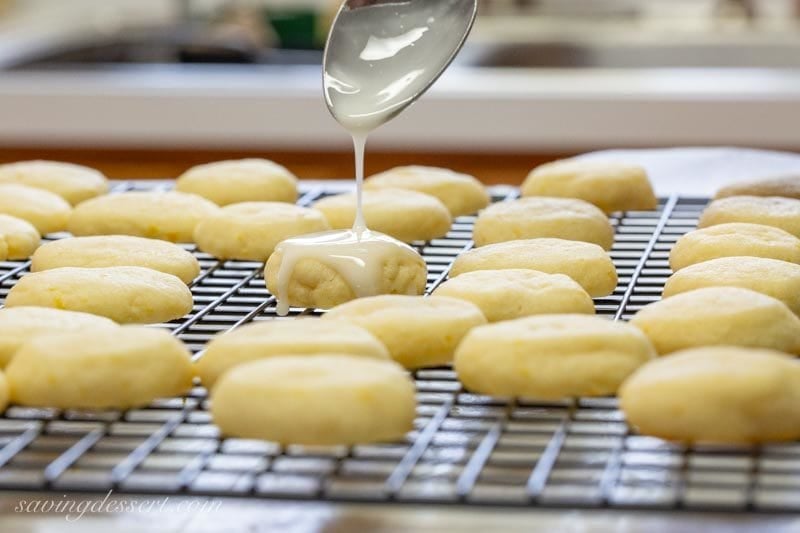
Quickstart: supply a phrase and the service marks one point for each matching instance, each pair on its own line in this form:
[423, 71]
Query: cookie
[46, 211]
[531, 218]
[611, 186]
[418, 332]
[783, 213]
[170, 216]
[117, 250]
[321, 400]
[551, 356]
[722, 395]
[786, 186]
[586, 263]
[18, 238]
[4, 393]
[74, 183]
[716, 316]
[242, 180]
[123, 294]
[251, 230]
[460, 193]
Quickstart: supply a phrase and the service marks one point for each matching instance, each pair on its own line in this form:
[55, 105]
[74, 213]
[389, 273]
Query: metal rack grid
[465, 448]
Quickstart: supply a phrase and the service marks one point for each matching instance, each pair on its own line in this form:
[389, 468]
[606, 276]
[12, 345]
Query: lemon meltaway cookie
[779, 279]
[723, 395]
[74, 183]
[117, 250]
[403, 214]
[305, 336]
[783, 213]
[586, 263]
[242, 180]
[46, 211]
[322, 400]
[551, 356]
[786, 186]
[462, 194]
[734, 239]
[530, 218]
[251, 230]
[516, 293]
[170, 216]
[611, 186]
[419, 332]
[716, 316]
[18, 238]
[106, 368]
[123, 294]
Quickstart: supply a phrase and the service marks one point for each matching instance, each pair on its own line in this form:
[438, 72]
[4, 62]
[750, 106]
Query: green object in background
[295, 28]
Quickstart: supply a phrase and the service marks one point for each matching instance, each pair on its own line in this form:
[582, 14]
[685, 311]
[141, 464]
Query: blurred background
[146, 88]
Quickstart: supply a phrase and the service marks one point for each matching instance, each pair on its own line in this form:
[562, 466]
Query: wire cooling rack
[465, 448]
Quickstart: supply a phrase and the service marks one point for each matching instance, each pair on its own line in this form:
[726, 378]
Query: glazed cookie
[722, 395]
[586, 263]
[786, 186]
[551, 356]
[322, 400]
[123, 294]
[243, 180]
[716, 316]
[611, 186]
[516, 293]
[405, 215]
[530, 218]
[305, 336]
[106, 368]
[46, 211]
[18, 238]
[170, 216]
[74, 183]
[783, 213]
[460, 193]
[734, 239]
[117, 250]
[251, 230]
[419, 332]
[772, 277]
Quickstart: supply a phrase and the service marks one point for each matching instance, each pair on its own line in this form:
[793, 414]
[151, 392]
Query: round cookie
[779, 279]
[18, 325]
[117, 250]
[716, 316]
[74, 183]
[107, 368]
[611, 186]
[170, 216]
[460, 193]
[46, 211]
[586, 263]
[123, 294]
[734, 239]
[4, 392]
[531, 218]
[19, 238]
[305, 336]
[551, 356]
[516, 293]
[783, 213]
[251, 230]
[419, 332]
[723, 395]
[242, 180]
[405, 215]
[786, 186]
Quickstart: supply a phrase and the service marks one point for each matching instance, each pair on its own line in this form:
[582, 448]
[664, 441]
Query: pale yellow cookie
[106, 368]
[4, 392]
[242, 180]
[419, 332]
[531, 218]
[251, 230]
[461, 193]
[403, 214]
[46, 211]
[74, 183]
[117, 250]
[723, 395]
[786, 186]
[611, 186]
[716, 316]
[586, 263]
[783, 213]
[3, 250]
[19, 237]
[170, 216]
[516, 293]
[123, 294]
[551, 356]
